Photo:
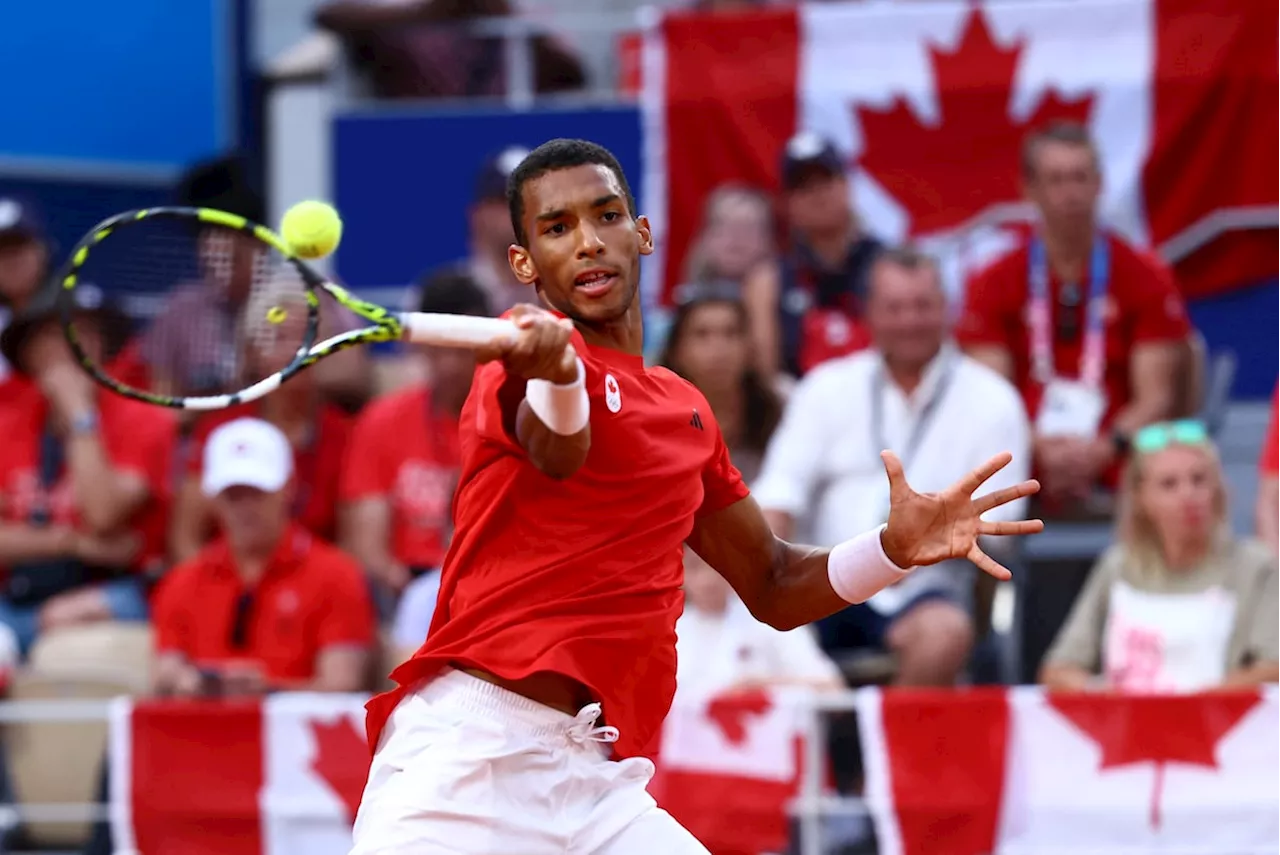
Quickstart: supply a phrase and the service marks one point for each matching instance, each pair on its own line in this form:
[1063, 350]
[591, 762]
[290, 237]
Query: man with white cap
[266, 605]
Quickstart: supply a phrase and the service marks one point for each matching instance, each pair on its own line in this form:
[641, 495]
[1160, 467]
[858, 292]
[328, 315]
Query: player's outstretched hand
[541, 350]
[925, 528]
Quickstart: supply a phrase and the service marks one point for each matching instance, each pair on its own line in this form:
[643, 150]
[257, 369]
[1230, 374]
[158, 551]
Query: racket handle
[455, 330]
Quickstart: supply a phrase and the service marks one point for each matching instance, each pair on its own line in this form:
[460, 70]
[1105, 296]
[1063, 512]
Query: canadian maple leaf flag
[274, 777]
[931, 102]
[729, 766]
[1021, 772]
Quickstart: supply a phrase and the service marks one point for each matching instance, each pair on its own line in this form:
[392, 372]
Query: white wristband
[563, 409]
[859, 568]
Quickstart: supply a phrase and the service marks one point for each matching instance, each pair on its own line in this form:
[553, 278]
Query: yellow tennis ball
[311, 229]
[277, 314]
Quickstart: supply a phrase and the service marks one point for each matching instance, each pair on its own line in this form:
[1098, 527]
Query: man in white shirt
[942, 413]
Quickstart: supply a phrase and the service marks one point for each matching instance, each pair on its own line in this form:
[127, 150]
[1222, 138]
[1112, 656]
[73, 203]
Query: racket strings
[206, 310]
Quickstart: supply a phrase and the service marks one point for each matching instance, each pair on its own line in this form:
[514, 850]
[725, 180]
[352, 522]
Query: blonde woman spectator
[736, 235]
[1179, 604]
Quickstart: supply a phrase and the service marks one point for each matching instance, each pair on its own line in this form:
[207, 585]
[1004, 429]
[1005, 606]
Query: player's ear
[522, 264]
[646, 235]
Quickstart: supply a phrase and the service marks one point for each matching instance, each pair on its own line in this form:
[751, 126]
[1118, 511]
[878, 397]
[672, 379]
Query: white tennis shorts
[464, 766]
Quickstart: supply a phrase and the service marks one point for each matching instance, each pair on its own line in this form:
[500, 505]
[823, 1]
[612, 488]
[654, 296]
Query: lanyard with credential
[920, 428]
[1093, 349]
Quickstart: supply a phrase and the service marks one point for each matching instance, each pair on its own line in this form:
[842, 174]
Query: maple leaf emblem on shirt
[341, 760]
[1154, 729]
[948, 173]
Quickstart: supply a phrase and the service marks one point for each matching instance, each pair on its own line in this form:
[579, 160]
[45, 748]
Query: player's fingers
[988, 564]
[978, 477]
[526, 314]
[1011, 528]
[893, 469]
[1005, 496]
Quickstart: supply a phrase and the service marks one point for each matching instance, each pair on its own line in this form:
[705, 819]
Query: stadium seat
[60, 762]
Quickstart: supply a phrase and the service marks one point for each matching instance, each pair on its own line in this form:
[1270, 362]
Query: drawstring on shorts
[583, 728]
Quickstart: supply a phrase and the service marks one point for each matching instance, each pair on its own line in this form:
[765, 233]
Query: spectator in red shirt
[1267, 507]
[397, 484]
[317, 430]
[1091, 329]
[83, 480]
[267, 605]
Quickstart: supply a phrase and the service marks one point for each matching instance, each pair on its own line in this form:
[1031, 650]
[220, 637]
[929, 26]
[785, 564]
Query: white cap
[246, 453]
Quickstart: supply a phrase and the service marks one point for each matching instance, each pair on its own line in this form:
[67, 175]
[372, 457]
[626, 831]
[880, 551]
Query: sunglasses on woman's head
[1161, 435]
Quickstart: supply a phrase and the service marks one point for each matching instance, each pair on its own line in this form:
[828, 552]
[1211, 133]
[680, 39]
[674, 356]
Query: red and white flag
[729, 767]
[274, 777]
[1022, 772]
[931, 102]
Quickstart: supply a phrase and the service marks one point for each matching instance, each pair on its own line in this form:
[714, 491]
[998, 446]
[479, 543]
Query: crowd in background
[268, 544]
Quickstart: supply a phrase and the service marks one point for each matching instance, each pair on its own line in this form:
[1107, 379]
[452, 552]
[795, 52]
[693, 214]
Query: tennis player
[519, 726]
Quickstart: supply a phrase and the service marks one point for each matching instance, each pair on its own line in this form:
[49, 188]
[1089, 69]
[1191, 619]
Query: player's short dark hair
[1065, 132]
[453, 292]
[553, 156]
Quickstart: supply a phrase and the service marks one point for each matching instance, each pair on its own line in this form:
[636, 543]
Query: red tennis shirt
[581, 577]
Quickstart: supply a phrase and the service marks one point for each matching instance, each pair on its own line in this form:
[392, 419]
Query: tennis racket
[228, 312]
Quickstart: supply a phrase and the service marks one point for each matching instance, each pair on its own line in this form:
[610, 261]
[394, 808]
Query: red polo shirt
[406, 452]
[1143, 305]
[310, 597]
[317, 467]
[138, 438]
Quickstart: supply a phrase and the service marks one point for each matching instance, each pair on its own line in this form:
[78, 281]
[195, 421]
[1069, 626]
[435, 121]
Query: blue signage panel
[144, 83]
[403, 181]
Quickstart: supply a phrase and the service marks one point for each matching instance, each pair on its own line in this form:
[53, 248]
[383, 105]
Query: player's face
[1179, 492]
[584, 246]
[1064, 183]
[712, 349]
[906, 313]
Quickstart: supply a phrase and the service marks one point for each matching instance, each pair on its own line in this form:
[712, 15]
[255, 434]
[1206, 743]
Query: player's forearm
[809, 583]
